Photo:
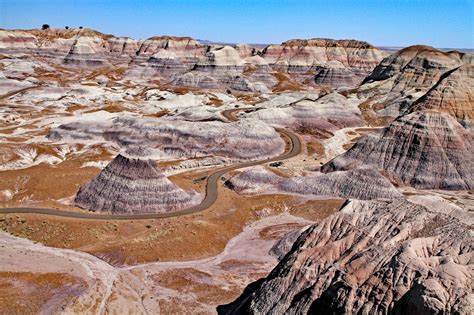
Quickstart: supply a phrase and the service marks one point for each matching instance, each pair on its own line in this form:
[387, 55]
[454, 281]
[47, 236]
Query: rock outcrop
[133, 185]
[453, 94]
[403, 77]
[372, 257]
[361, 184]
[424, 149]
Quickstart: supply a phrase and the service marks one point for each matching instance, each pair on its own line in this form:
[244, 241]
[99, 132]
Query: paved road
[211, 187]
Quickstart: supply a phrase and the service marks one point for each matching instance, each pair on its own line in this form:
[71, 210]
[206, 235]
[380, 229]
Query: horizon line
[212, 42]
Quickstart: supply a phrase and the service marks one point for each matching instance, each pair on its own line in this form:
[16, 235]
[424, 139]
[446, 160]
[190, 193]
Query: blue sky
[439, 23]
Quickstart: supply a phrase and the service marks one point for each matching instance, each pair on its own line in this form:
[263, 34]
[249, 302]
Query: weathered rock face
[335, 75]
[133, 185]
[453, 94]
[425, 149]
[361, 184]
[401, 78]
[371, 257]
[415, 67]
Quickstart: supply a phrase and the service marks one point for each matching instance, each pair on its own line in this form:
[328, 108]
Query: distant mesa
[133, 185]
[185, 61]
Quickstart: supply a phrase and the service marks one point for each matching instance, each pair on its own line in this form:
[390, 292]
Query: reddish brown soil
[28, 293]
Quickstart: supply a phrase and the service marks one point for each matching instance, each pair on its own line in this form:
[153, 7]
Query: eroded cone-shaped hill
[133, 185]
[425, 149]
[453, 94]
[371, 258]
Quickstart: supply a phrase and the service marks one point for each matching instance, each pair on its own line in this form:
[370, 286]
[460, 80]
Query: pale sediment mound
[246, 139]
[371, 258]
[255, 180]
[325, 114]
[361, 184]
[364, 184]
[425, 149]
[133, 185]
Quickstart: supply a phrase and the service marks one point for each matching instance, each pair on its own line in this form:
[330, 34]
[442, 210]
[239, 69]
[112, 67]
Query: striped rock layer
[132, 185]
[424, 149]
[185, 61]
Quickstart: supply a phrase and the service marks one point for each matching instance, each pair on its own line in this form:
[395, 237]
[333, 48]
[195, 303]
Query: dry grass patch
[199, 283]
[31, 293]
[316, 210]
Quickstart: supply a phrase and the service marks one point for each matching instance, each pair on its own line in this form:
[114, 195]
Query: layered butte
[425, 149]
[186, 62]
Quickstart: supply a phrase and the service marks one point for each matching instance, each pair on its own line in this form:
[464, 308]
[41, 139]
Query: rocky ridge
[453, 94]
[185, 61]
[393, 257]
[403, 77]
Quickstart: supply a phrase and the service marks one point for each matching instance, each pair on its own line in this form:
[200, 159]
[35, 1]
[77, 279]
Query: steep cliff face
[133, 185]
[453, 94]
[372, 257]
[424, 149]
[400, 79]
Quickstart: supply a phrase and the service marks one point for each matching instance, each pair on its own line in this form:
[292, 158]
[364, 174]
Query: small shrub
[276, 164]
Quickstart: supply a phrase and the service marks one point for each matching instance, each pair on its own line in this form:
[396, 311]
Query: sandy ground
[171, 286]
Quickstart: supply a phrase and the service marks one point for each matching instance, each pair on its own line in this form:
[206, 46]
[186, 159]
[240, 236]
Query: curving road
[211, 186]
